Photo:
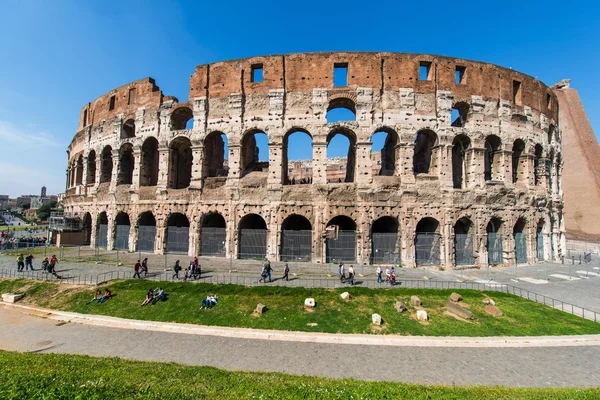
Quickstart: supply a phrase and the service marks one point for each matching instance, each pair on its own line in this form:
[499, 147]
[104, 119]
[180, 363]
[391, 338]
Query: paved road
[514, 367]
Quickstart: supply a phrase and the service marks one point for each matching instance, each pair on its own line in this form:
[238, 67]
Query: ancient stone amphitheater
[469, 173]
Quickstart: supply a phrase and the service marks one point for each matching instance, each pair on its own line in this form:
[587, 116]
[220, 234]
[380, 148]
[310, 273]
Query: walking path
[565, 365]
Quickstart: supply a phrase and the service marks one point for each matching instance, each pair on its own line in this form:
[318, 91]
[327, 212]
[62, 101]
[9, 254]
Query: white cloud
[13, 134]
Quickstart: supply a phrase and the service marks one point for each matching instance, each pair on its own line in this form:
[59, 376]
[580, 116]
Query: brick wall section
[581, 173]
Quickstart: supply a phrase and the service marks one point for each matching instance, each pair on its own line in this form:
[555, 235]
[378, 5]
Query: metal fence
[342, 248]
[122, 237]
[102, 239]
[384, 248]
[296, 245]
[494, 248]
[253, 243]
[521, 248]
[427, 249]
[463, 249]
[146, 238]
[178, 239]
[213, 242]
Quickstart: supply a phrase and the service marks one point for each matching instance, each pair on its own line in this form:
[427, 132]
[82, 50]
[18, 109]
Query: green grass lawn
[286, 308]
[58, 376]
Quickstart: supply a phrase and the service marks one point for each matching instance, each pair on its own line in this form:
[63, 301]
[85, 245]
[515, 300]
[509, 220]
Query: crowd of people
[266, 270]
[7, 242]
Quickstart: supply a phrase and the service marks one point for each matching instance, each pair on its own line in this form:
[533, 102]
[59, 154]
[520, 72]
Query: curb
[310, 337]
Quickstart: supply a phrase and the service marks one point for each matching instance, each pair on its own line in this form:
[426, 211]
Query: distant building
[25, 200]
[43, 193]
[3, 200]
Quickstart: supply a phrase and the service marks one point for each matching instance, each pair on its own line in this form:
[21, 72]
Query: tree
[43, 213]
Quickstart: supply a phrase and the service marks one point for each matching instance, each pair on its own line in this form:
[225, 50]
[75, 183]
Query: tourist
[263, 274]
[342, 272]
[149, 297]
[107, 296]
[387, 274]
[286, 272]
[392, 277]
[268, 270]
[209, 302]
[159, 295]
[186, 274]
[145, 266]
[20, 263]
[136, 267]
[351, 276]
[176, 268]
[96, 296]
[379, 271]
[196, 261]
[53, 262]
[29, 262]
[45, 264]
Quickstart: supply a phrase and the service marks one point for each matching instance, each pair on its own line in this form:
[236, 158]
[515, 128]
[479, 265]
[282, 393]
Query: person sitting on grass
[159, 295]
[209, 302]
[107, 296]
[96, 296]
[149, 297]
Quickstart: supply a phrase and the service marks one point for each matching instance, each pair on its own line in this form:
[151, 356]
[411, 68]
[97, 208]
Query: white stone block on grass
[376, 319]
[310, 302]
[422, 315]
[11, 297]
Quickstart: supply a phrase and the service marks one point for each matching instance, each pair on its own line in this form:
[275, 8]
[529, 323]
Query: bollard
[488, 273]
[572, 260]
[586, 270]
[79, 253]
[562, 259]
[117, 257]
[548, 279]
[165, 261]
[516, 271]
[230, 262]
[580, 259]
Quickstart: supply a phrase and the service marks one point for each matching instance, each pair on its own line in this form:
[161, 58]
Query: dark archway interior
[79, 171]
[214, 155]
[128, 130]
[180, 118]
[459, 153]
[296, 223]
[344, 223]
[520, 225]
[102, 219]
[106, 165]
[179, 220]
[87, 228]
[462, 226]
[517, 152]
[424, 143]
[126, 164]
[428, 225]
[147, 219]
[213, 220]
[91, 167]
[122, 219]
[494, 226]
[150, 159]
[385, 225]
[492, 156]
[253, 221]
[180, 165]
[537, 164]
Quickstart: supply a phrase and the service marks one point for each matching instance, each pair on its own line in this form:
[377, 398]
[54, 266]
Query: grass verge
[59, 376]
[286, 308]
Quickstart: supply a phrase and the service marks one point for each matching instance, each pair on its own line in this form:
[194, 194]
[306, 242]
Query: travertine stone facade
[495, 167]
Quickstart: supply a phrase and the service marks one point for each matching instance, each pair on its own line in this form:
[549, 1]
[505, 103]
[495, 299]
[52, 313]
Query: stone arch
[122, 228]
[551, 136]
[518, 161]
[150, 162]
[213, 235]
[384, 241]
[178, 233]
[427, 242]
[538, 164]
[460, 145]
[79, 170]
[180, 163]
[492, 159]
[87, 228]
[296, 239]
[387, 157]
[146, 225]
[102, 230]
[341, 242]
[126, 165]
[215, 145]
[333, 167]
[180, 118]
[494, 244]
[300, 172]
[252, 237]
[128, 129]
[425, 141]
[250, 160]
[106, 164]
[463, 242]
[520, 238]
[91, 167]
[341, 109]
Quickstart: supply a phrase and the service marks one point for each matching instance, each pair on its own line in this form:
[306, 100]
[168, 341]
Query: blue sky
[58, 55]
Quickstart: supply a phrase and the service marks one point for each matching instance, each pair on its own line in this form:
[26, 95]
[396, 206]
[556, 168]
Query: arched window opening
[518, 161]
[341, 109]
[150, 161]
[252, 237]
[106, 165]
[460, 145]
[215, 155]
[538, 164]
[550, 169]
[182, 118]
[126, 162]
[255, 153]
[427, 242]
[383, 152]
[384, 241]
[122, 231]
[341, 156]
[296, 239]
[180, 163]
[539, 240]
[79, 171]
[128, 129]
[297, 158]
[178, 233]
[463, 242]
[146, 232]
[520, 241]
[102, 231]
[87, 228]
[494, 242]
[557, 165]
[492, 158]
[213, 235]
[340, 242]
[425, 141]
[459, 114]
[91, 168]
[550, 134]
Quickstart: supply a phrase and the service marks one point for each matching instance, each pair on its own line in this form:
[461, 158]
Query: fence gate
[463, 249]
[122, 237]
[178, 239]
[494, 248]
[296, 245]
[539, 245]
[384, 249]
[146, 237]
[341, 249]
[521, 248]
[102, 239]
[253, 243]
[427, 249]
[213, 242]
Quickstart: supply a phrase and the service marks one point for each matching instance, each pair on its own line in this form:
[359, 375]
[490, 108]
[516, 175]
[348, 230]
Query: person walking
[176, 268]
[20, 264]
[136, 268]
[145, 266]
[263, 274]
[342, 272]
[351, 276]
[286, 272]
[379, 271]
[268, 270]
[29, 262]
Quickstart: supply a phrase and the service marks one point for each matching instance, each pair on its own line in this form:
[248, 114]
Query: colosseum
[469, 173]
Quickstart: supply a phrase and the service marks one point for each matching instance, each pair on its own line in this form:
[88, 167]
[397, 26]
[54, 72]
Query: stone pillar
[234, 161]
[84, 172]
[275, 178]
[445, 169]
[317, 234]
[98, 172]
[319, 163]
[112, 230]
[133, 236]
[448, 240]
[115, 171]
[194, 240]
[197, 162]
[163, 168]
[137, 167]
[67, 179]
[161, 233]
[94, 232]
[363, 166]
[273, 231]
[477, 171]
[408, 240]
[407, 150]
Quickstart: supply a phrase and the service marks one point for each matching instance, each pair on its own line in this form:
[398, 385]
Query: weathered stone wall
[499, 106]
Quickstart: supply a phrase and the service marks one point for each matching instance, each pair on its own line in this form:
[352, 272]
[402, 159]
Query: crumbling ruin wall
[401, 94]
